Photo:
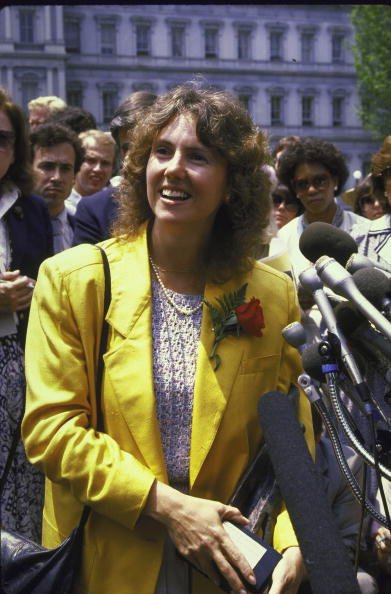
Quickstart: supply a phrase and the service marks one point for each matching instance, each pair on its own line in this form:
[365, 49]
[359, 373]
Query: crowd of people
[193, 211]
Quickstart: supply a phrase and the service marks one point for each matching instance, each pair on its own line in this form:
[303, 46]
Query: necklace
[181, 310]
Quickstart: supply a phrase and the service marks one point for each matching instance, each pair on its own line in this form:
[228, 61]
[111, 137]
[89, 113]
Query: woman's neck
[179, 258]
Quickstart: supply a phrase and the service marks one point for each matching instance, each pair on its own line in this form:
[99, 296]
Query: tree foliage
[372, 55]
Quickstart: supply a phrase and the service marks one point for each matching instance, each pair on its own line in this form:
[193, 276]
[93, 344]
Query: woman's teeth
[174, 195]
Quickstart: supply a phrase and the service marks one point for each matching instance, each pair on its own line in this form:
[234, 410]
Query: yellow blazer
[113, 471]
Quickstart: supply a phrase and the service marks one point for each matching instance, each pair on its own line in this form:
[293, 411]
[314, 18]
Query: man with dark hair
[57, 155]
[74, 117]
[95, 213]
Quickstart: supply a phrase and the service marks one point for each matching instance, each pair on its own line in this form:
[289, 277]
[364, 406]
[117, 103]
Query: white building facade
[291, 65]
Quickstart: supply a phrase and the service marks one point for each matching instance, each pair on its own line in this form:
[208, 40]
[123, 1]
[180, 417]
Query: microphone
[374, 285]
[301, 485]
[310, 280]
[295, 335]
[356, 327]
[339, 280]
[358, 261]
[319, 239]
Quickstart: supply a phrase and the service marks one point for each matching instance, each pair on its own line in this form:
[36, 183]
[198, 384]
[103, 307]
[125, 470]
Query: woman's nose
[176, 165]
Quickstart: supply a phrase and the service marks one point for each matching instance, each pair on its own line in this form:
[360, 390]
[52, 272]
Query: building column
[49, 82]
[8, 24]
[48, 24]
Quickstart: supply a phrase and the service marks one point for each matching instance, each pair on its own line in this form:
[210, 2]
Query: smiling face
[96, 169]
[186, 181]
[314, 186]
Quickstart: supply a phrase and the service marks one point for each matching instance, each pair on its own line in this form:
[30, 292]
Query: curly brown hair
[20, 171]
[312, 150]
[223, 125]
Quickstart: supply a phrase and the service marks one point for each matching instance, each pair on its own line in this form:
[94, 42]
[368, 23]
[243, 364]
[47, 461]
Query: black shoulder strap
[103, 339]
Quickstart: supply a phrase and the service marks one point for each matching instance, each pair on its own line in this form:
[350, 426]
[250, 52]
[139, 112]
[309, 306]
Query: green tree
[372, 55]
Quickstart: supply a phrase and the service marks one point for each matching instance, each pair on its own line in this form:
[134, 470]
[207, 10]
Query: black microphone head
[304, 493]
[348, 318]
[322, 239]
[373, 284]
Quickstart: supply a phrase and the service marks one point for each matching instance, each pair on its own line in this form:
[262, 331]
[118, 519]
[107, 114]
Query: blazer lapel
[129, 358]
[212, 387]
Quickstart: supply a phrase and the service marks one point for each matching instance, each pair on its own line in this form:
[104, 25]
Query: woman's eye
[161, 150]
[198, 157]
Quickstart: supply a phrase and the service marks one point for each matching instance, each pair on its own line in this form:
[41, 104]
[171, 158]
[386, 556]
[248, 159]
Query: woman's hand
[383, 548]
[16, 291]
[288, 573]
[195, 527]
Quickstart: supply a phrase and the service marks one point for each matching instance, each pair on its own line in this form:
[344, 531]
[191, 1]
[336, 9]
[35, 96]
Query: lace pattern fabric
[22, 499]
[175, 348]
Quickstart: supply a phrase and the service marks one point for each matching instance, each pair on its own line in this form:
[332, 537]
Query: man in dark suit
[57, 155]
[96, 213]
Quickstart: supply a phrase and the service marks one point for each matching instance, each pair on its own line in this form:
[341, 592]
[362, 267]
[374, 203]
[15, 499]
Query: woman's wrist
[162, 501]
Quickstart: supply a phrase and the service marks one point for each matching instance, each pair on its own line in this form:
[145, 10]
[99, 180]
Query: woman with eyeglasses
[285, 205]
[315, 171]
[374, 238]
[25, 241]
[367, 204]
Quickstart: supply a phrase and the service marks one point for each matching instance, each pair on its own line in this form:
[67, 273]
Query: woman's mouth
[175, 195]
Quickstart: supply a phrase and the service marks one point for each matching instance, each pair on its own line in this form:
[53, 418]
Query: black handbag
[26, 567]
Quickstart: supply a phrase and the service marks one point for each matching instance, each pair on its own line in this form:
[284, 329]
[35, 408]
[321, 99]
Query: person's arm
[58, 432]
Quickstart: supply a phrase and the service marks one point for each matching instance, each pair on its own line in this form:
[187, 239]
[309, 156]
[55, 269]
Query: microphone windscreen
[325, 556]
[321, 239]
[373, 284]
[348, 318]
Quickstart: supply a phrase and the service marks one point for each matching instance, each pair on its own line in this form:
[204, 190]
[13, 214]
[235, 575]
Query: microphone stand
[313, 394]
[329, 368]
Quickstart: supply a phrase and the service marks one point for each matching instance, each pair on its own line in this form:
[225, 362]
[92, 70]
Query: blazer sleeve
[61, 355]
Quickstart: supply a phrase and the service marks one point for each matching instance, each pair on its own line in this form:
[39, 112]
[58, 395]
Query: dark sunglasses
[366, 200]
[7, 139]
[319, 182]
[292, 205]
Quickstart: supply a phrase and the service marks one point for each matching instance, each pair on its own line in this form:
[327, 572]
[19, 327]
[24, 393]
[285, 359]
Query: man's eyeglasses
[7, 140]
[319, 182]
[292, 205]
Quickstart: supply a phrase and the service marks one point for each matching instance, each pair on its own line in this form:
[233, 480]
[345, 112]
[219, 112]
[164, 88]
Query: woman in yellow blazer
[179, 399]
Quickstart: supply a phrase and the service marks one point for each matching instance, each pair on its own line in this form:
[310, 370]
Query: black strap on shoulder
[103, 339]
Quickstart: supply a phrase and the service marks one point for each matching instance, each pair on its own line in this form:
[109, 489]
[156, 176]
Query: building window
[307, 47]
[107, 38]
[337, 48]
[338, 111]
[143, 39]
[276, 46]
[178, 41]
[211, 49]
[29, 90]
[72, 36]
[245, 100]
[244, 44]
[109, 104]
[307, 111]
[276, 115]
[75, 97]
[26, 26]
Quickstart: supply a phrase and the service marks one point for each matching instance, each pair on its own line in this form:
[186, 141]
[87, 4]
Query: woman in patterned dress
[179, 403]
[25, 240]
